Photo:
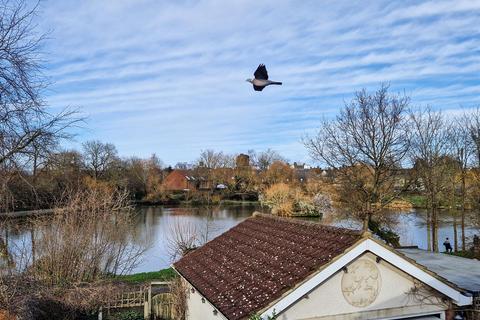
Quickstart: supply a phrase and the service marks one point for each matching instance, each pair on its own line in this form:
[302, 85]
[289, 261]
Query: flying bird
[261, 79]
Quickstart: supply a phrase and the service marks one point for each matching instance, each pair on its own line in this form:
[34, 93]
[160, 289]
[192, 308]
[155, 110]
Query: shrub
[129, 315]
[103, 246]
[285, 200]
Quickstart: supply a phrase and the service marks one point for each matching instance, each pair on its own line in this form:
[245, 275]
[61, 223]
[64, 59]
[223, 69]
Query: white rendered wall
[198, 310]
[393, 299]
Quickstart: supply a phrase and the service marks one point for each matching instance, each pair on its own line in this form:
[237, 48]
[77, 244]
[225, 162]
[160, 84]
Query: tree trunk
[463, 230]
[365, 222]
[367, 216]
[434, 230]
[463, 211]
[434, 222]
[429, 227]
[455, 233]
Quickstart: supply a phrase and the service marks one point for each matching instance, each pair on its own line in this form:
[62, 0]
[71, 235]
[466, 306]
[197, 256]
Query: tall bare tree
[264, 159]
[463, 151]
[365, 144]
[99, 157]
[214, 166]
[474, 127]
[24, 117]
[430, 148]
[212, 159]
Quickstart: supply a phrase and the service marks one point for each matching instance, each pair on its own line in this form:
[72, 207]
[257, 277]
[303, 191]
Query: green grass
[417, 201]
[162, 275]
[463, 254]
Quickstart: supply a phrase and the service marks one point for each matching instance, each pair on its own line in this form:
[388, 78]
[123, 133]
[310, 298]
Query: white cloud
[168, 77]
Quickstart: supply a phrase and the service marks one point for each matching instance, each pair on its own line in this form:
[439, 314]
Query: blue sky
[169, 76]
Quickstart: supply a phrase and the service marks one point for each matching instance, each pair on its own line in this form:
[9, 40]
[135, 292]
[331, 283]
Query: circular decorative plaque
[361, 283]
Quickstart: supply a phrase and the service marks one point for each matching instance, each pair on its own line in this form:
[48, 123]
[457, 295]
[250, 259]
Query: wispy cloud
[168, 77]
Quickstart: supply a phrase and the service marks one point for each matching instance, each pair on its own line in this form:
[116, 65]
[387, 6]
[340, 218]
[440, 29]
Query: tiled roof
[245, 269]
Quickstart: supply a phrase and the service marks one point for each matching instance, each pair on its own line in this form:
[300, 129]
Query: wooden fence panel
[162, 307]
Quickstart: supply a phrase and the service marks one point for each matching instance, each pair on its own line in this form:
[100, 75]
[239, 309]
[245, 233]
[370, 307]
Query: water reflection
[153, 224]
[414, 229]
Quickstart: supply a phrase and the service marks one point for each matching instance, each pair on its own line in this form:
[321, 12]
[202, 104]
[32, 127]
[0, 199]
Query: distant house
[303, 270]
[184, 180]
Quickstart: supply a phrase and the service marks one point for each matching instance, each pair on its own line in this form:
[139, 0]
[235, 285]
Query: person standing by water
[448, 246]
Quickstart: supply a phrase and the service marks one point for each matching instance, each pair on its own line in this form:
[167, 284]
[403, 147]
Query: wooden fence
[133, 297]
[162, 307]
[155, 299]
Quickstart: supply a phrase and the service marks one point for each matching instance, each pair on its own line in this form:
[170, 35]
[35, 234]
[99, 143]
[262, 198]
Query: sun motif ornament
[361, 283]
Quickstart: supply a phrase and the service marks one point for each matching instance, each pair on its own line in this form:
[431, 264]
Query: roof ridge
[304, 222]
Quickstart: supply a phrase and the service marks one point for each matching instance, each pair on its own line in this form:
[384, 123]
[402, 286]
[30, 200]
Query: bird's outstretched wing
[257, 88]
[261, 72]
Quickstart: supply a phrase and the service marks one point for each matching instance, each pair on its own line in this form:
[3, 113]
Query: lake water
[154, 224]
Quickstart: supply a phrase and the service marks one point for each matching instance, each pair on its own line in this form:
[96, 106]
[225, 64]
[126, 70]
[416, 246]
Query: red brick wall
[175, 181]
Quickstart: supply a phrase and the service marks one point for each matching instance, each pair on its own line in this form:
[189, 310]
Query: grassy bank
[161, 275]
[464, 254]
[417, 200]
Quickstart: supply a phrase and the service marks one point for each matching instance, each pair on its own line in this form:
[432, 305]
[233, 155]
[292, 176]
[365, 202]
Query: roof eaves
[199, 291]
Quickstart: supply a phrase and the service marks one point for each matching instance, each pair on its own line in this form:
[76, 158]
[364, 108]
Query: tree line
[43, 177]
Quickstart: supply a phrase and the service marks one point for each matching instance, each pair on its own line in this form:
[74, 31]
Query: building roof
[256, 262]
[187, 173]
[463, 272]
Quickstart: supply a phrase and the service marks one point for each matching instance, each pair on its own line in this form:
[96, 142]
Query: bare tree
[99, 157]
[24, 118]
[474, 127]
[264, 159]
[214, 167]
[430, 148]
[104, 245]
[365, 144]
[463, 151]
[144, 176]
[210, 159]
[26, 125]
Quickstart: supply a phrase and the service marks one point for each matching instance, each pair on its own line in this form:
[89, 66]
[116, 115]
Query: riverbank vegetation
[161, 275]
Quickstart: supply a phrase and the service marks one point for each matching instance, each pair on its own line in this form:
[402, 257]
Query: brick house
[185, 180]
[304, 270]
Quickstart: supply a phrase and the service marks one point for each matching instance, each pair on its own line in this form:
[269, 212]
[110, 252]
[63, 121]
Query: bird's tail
[276, 82]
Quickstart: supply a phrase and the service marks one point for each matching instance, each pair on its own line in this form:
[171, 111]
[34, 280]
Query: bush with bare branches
[88, 236]
[286, 200]
[185, 236]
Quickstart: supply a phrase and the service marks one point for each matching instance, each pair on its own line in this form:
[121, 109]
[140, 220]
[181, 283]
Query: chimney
[243, 161]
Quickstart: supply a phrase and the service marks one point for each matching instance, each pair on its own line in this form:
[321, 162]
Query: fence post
[147, 310]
